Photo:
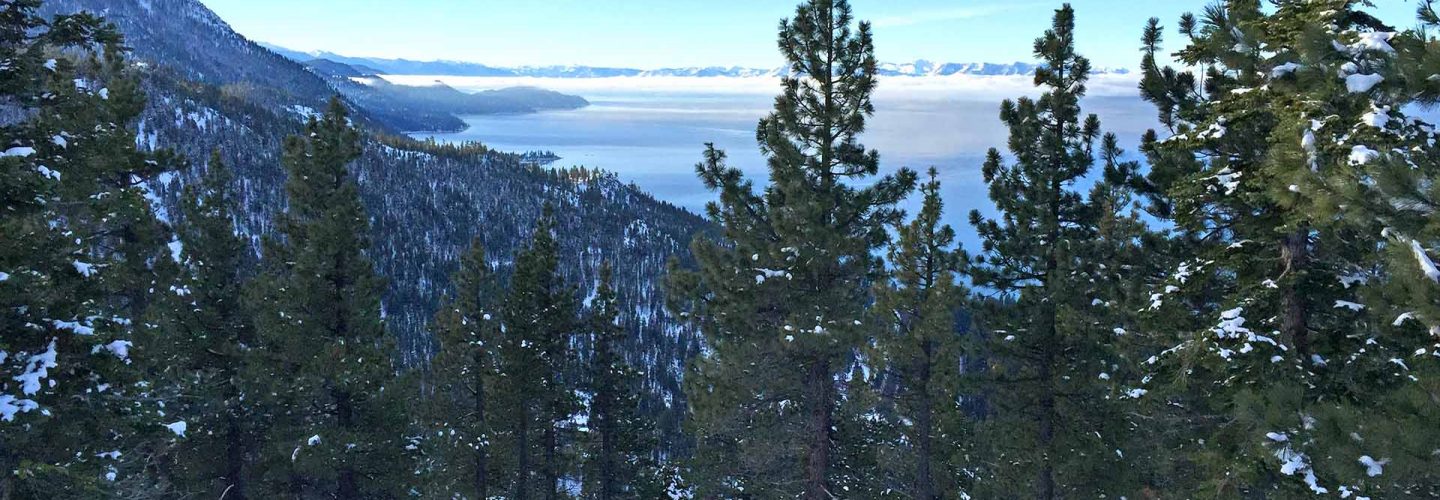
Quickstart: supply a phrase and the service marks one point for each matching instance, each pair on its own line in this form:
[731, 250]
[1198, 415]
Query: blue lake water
[653, 133]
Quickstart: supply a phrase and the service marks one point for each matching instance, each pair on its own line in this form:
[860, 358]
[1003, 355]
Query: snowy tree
[1055, 425]
[203, 350]
[921, 348]
[536, 398]
[464, 375]
[78, 240]
[333, 428]
[782, 294]
[620, 453]
[1291, 166]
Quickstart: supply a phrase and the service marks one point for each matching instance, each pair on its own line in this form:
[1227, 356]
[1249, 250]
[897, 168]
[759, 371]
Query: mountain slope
[185, 37]
[427, 202]
[439, 102]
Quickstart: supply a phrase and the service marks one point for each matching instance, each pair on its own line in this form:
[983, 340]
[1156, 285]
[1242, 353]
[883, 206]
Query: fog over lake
[652, 131]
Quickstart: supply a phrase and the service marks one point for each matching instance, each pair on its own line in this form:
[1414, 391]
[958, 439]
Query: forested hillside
[217, 280]
[427, 202]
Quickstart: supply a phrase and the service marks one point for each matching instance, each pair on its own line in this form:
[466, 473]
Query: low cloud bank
[966, 87]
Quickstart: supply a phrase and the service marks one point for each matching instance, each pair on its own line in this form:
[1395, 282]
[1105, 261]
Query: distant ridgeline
[210, 89]
[241, 68]
[1250, 310]
[372, 65]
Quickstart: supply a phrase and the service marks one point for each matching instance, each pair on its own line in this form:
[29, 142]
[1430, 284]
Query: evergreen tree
[869, 446]
[78, 241]
[920, 347]
[1307, 371]
[620, 462]
[207, 347]
[334, 430]
[539, 321]
[1055, 430]
[782, 294]
[464, 373]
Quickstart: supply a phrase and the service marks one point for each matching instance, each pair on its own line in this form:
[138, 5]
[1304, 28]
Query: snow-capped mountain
[459, 68]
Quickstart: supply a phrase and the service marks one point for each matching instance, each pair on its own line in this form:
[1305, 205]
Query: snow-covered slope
[210, 89]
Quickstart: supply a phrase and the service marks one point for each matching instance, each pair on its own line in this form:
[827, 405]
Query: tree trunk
[607, 446]
[817, 464]
[924, 430]
[552, 477]
[1045, 480]
[237, 443]
[297, 485]
[236, 449]
[482, 444]
[1045, 483]
[1295, 255]
[7, 481]
[522, 453]
[348, 486]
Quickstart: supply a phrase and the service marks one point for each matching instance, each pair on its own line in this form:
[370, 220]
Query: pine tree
[1056, 429]
[782, 294]
[206, 347]
[869, 446]
[535, 397]
[334, 430]
[465, 375]
[620, 462]
[77, 243]
[921, 348]
[1306, 372]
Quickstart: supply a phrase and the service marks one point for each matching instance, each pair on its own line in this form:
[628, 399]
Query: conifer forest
[226, 273]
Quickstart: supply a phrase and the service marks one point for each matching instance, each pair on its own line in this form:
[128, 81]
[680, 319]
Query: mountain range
[434, 107]
[188, 42]
[211, 89]
[459, 68]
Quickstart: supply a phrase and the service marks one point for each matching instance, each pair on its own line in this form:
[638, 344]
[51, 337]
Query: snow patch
[36, 368]
[1377, 117]
[1361, 83]
[176, 250]
[1360, 155]
[74, 326]
[1345, 304]
[1283, 69]
[120, 348]
[22, 152]
[1426, 265]
[10, 406]
[1376, 41]
[85, 269]
[1373, 467]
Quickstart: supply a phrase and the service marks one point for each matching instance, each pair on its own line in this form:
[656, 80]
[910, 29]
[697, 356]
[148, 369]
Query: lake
[652, 131]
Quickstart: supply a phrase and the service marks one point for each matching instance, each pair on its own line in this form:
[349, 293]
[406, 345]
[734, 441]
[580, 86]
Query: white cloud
[951, 87]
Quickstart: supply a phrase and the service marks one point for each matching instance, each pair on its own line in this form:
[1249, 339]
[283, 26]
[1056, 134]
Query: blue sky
[662, 33]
